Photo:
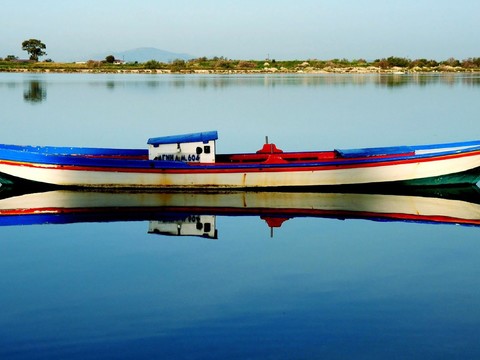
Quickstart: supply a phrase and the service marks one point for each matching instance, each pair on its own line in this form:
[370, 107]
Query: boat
[190, 162]
[194, 213]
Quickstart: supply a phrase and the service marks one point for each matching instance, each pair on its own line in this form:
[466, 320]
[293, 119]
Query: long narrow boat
[194, 213]
[190, 162]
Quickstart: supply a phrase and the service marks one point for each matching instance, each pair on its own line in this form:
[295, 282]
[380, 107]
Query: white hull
[243, 179]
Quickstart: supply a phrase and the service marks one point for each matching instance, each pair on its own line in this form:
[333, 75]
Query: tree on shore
[110, 59]
[35, 48]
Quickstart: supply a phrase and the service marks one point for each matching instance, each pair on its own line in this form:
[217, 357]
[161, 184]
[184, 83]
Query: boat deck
[262, 158]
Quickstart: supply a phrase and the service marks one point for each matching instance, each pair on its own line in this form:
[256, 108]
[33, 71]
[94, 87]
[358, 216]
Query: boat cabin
[198, 147]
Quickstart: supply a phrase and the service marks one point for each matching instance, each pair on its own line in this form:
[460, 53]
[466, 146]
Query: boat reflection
[194, 214]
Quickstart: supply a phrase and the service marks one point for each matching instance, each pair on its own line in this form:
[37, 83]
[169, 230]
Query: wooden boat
[194, 213]
[190, 162]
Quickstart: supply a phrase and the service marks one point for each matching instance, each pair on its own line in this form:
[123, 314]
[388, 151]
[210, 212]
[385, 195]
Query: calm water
[319, 288]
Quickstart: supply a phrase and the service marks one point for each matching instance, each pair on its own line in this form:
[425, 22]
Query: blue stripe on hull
[72, 151]
[356, 153]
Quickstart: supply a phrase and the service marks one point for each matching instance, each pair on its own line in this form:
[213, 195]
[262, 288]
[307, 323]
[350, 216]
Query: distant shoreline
[352, 70]
[224, 66]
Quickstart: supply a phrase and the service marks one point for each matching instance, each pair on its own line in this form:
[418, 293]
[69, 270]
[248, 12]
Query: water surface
[321, 287]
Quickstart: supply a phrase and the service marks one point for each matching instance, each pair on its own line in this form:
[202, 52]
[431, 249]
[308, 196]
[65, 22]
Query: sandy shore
[265, 70]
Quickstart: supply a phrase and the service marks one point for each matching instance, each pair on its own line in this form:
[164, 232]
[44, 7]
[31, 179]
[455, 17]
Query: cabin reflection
[193, 225]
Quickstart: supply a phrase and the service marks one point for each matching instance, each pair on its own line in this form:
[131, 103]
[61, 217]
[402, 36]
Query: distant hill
[145, 54]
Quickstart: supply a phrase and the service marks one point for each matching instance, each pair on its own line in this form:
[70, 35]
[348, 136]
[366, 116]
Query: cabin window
[208, 227]
[206, 148]
[198, 150]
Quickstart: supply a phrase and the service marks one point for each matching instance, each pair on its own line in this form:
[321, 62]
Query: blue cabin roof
[186, 138]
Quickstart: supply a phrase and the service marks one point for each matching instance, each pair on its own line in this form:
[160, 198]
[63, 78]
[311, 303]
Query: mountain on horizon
[145, 54]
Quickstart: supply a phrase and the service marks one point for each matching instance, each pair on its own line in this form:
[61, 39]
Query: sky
[247, 29]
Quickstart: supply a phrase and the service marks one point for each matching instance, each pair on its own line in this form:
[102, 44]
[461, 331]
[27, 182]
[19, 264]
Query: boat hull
[432, 173]
[442, 165]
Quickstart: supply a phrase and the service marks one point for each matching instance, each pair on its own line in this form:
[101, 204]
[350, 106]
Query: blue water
[319, 288]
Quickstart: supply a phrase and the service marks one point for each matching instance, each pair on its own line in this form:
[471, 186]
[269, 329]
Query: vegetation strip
[222, 65]
[227, 66]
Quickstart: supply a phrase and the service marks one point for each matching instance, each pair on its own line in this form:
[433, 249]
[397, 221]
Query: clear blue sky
[246, 29]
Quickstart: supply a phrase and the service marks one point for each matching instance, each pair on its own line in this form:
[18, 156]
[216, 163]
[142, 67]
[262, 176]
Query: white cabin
[197, 147]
